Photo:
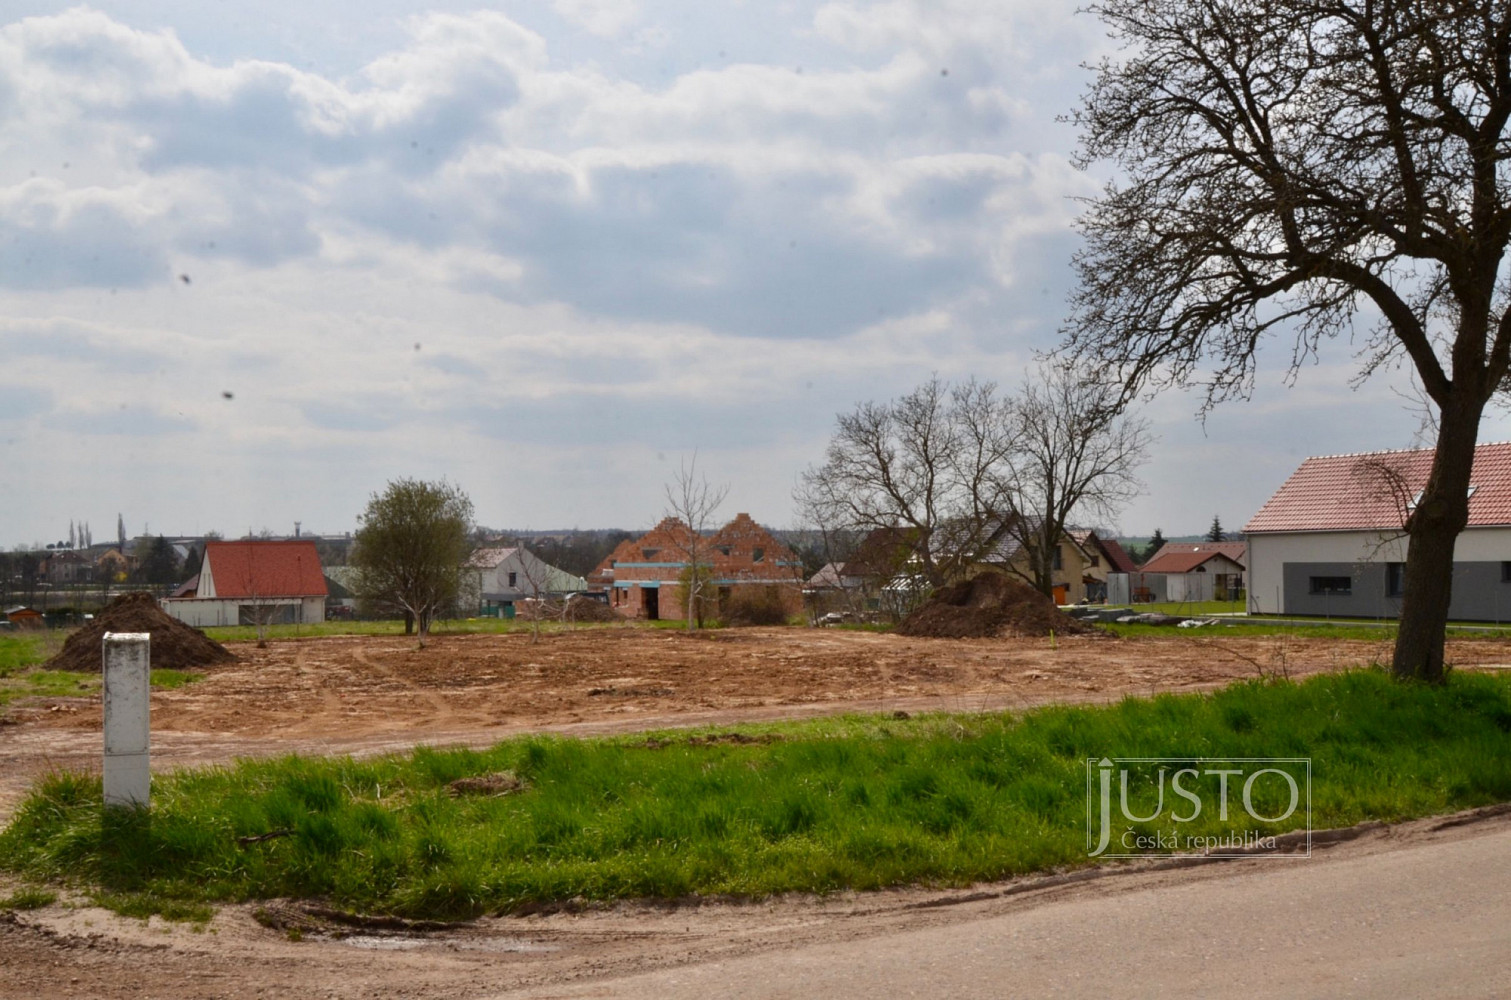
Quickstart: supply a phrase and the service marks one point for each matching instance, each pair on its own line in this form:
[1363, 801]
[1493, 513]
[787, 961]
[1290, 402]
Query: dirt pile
[175, 646]
[989, 606]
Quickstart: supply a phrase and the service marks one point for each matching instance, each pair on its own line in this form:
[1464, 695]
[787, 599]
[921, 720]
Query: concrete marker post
[128, 702]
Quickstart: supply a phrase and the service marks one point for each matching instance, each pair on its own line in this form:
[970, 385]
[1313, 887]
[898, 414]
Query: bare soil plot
[358, 694]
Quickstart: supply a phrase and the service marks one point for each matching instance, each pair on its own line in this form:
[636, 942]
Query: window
[512, 578]
[757, 554]
[1059, 559]
[1395, 578]
[1506, 572]
[650, 554]
[1331, 585]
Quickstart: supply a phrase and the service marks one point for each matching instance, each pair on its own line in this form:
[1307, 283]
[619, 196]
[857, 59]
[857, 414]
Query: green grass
[33, 683]
[28, 899]
[17, 652]
[1221, 631]
[168, 680]
[856, 802]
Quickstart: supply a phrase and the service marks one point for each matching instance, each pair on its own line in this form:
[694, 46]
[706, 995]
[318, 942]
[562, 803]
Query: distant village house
[645, 577]
[253, 582]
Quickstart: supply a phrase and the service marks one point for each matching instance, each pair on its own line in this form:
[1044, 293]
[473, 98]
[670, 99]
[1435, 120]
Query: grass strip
[32, 683]
[854, 802]
[17, 652]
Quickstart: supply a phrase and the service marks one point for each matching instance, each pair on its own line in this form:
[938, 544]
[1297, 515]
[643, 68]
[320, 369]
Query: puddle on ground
[409, 942]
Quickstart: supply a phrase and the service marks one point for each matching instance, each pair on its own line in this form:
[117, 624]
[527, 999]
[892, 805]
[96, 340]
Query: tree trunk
[408, 622]
[1432, 528]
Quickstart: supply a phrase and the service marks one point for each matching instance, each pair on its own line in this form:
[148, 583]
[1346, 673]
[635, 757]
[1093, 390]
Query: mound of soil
[989, 606]
[175, 646]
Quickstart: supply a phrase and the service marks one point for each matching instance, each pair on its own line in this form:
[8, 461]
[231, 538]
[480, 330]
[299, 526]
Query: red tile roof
[1118, 561]
[264, 569]
[1183, 557]
[1375, 490]
[1121, 561]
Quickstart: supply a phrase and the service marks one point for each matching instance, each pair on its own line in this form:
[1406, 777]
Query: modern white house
[1331, 540]
[251, 582]
[497, 579]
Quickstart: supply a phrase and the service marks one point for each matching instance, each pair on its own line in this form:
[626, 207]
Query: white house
[1331, 542]
[499, 578]
[244, 583]
[1195, 571]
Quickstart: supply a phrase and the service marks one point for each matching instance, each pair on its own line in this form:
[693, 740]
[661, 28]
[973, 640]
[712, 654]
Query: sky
[259, 259]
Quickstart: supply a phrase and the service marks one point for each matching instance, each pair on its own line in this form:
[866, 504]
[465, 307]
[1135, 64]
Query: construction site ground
[366, 694]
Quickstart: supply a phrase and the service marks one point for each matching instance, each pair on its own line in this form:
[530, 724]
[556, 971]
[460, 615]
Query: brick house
[643, 575]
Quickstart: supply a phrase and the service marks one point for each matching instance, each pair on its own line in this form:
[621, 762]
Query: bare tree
[953, 473]
[1071, 457]
[691, 499]
[836, 547]
[1287, 164]
[932, 465]
[543, 582]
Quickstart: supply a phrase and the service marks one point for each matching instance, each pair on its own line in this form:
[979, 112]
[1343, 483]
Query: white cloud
[608, 18]
[601, 263]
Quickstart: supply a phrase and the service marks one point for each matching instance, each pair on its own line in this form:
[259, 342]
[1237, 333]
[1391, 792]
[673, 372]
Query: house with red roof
[1195, 571]
[1332, 541]
[253, 582]
[646, 576]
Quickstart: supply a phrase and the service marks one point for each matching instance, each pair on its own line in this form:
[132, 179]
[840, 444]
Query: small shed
[22, 616]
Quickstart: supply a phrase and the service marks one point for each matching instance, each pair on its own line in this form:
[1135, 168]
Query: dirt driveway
[360, 694]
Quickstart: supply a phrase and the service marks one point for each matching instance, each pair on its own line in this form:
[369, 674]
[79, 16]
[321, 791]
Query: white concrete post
[128, 693]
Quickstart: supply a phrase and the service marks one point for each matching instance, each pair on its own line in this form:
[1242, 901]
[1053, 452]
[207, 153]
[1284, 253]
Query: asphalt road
[1419, 920]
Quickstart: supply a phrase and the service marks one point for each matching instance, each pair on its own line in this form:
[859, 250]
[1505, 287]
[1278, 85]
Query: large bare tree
[930, 466]
[1288, 165]
[954, 472]
[1072, 457]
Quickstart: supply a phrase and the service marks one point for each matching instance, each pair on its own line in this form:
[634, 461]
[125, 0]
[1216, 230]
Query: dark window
[1059, 560]
[1332, 585]
[650, 554]
[1506, 572]
[512, 578]
[1395, 578]
[757, 554]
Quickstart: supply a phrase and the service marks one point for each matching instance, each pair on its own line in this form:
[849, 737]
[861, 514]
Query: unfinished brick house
[745, 559]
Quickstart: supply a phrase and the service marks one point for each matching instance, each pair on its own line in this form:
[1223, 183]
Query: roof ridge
[1397, 451]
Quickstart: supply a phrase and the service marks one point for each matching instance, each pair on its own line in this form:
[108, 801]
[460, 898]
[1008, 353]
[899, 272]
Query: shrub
[755, 606]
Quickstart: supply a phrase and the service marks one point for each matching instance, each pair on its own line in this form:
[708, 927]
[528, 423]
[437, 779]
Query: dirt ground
[363, 694]
[370, 694]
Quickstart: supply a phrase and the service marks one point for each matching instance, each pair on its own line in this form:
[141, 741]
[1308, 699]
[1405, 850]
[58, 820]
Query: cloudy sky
[256, 259]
